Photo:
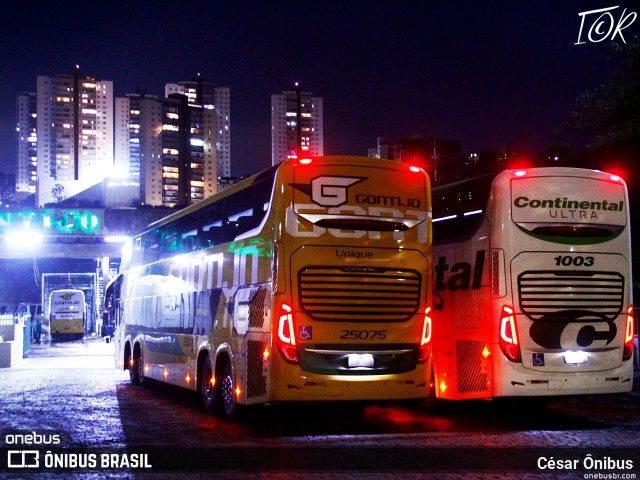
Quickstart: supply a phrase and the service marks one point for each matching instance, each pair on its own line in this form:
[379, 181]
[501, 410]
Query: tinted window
[458, 208]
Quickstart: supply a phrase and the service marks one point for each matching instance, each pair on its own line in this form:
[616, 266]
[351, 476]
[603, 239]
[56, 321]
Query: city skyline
[490, 76]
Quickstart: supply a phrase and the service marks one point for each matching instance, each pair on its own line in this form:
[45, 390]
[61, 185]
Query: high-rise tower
[75, 134]
[218, 99]
[27, 141]
[296, 125]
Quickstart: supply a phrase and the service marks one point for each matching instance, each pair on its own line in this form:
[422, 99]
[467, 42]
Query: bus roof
[269, 172]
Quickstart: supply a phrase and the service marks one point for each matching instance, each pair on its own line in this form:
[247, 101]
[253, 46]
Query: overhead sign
[53, 221]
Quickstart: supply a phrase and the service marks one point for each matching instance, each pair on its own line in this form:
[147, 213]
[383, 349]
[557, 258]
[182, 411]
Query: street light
[23, 239]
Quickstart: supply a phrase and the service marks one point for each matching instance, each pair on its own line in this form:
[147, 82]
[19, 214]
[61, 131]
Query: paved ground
[71, 390]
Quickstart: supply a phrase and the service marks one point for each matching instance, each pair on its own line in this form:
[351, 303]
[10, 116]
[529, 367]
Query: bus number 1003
[571, 261]
[363, 334]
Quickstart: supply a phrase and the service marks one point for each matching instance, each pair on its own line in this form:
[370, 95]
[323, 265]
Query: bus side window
[211, 225]
[211, 236]
[239, 213]
[458, 208]
[190, 242]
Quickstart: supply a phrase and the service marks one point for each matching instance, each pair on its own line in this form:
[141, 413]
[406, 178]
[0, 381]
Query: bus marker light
[286, 339]
[165, 373]
[238, 391]
[305, 161]
[508, 338]
[425, 341]
[615, 178]
[415, 169]
[265, 354]
[188, 378]
[486, 352]
[520, 173]
[443, 386]
[627, 351]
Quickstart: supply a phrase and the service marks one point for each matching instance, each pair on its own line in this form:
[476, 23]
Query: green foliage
[611, 112]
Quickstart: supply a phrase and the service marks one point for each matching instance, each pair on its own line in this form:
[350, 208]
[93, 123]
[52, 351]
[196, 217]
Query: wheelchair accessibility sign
[305, 332]
[538, 359]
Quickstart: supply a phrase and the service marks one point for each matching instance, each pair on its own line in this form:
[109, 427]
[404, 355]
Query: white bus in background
[67, 314]
[532, 285]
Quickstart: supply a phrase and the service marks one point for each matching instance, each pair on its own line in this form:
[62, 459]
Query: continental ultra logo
[334, 192]
[575, 208]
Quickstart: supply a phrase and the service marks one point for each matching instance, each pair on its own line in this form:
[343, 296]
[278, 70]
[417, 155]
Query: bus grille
[256, 309]
[364, 294]
[547, 293]
[470, 368]
[256, 379]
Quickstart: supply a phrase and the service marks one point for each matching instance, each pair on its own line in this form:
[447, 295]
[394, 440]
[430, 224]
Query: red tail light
[628, 335]
[425, 341]
[508, 338]
[286, 340]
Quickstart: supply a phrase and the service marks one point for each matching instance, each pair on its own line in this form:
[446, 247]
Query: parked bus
[67, 315]
[307, 282]
[532, 285]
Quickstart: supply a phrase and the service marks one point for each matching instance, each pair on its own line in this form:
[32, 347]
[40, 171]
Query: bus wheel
[208, 389]
[136, 371]
[231, 408]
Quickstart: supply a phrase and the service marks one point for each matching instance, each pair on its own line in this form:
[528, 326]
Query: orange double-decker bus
[309, 281]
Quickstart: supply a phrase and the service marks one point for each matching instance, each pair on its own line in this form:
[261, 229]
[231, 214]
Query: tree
[611, 112]
[58, 193]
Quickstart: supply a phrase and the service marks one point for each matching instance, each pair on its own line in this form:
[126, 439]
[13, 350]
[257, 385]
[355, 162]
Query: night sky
[489, 74]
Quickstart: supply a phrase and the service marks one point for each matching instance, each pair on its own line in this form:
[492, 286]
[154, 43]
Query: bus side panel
[252, 323]
[462, 319]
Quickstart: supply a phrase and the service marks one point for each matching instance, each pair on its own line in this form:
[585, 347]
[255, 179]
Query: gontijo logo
[66, 299]
[332, 191]
[328, 191]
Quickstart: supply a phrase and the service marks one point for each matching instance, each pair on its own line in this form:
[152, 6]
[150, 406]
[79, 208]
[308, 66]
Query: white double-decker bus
[307, 282]
[532, 285]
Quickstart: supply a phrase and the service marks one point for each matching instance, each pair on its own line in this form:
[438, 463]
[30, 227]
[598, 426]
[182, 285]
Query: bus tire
[209, 392]
[231, 408]
[136, 371]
